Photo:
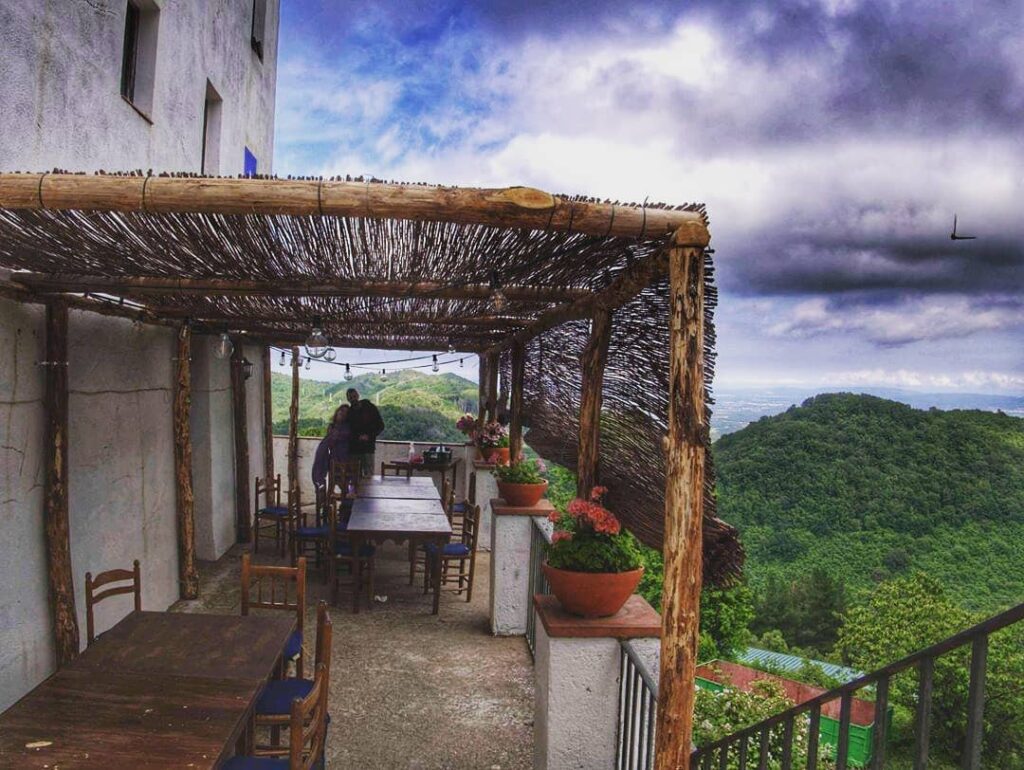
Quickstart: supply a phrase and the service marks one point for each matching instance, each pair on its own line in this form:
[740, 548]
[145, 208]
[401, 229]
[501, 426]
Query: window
[138, 58]
[212, 107]
[259, 26]
[249, 163]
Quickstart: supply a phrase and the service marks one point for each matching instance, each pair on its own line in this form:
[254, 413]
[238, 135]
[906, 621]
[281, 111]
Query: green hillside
[415, 406]
[861, 489]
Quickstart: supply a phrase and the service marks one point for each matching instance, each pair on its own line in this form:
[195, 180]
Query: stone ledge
[500, 508]
[480, 465]
[637, 619]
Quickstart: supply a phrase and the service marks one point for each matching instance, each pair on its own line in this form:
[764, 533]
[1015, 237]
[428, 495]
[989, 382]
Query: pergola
[603, 337]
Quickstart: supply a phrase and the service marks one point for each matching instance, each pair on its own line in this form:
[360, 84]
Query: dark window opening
[212, 108]
[259, 25]
[129, 56]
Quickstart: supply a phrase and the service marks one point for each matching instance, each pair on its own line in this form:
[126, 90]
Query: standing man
[366, 424]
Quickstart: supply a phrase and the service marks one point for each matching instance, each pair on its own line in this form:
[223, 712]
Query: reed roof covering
[384, 266]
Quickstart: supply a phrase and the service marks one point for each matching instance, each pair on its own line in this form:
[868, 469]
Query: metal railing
[755, 743]
[540, 536]
[638, 705]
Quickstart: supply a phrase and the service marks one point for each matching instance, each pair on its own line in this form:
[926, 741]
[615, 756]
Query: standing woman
[333, 448]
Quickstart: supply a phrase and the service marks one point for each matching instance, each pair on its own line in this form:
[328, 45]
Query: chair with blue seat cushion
[307, 733]
[277, 588]
[456, 515]
[309, 537]
[360, 566]
[458, 559]
[275, 703]
[272, 517]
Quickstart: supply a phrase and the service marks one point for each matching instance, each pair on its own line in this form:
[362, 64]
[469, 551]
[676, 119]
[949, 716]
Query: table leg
[357, 572]
[436, 573]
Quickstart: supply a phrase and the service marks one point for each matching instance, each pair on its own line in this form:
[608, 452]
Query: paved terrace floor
[409, 689]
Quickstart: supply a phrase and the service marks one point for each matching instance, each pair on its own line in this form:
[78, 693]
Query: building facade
[161, 85]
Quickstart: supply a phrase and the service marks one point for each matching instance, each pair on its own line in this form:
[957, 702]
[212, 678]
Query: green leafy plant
[492, 435]
[588, 538]
[522, 472]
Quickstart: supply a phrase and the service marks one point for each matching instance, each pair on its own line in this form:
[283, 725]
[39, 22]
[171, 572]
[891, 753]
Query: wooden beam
[294, 500]
[55, 495]
[268, 417]
[144, 285]
[243, 509]
[592, 362]
[429, 344]
[21, 293]
[515, 428]
[684, 509]
[623, 289]
[306, 316]
[481, 390]
[492, 387]
[501, 207]
[188, 574]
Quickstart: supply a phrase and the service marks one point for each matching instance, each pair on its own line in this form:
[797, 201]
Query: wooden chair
[272, 515]
[308, 537]
[278, 581]
[102, 579]
[461, 555]
[397, 469]
[360, 566]
[307, 723]
[456, 513]
[342, 475]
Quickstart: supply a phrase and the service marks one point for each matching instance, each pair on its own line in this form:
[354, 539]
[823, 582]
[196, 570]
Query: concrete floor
[410, 689]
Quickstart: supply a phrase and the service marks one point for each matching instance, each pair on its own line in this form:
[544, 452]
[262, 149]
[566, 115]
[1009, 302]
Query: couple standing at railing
[352, 435]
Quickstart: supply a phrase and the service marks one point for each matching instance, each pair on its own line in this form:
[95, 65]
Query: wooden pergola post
[684, 508]
[243, 522]
[492, 387]
[268, 418]
[188, 574]
[515, 427]
[293, 438]
[592, 362]
[55, 500]
[481, 412]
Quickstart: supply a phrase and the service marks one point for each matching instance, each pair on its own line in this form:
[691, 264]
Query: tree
[805, 609]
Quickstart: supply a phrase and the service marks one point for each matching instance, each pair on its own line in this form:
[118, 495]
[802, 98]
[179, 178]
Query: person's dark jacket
[365, 420]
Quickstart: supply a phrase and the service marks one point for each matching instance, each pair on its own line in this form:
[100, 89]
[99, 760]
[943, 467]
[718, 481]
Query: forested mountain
[860, 489]
[414, 405]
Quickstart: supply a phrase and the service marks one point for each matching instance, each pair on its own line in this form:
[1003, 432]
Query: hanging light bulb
[348, 373]
[460, 363]
[330, 355]
[451, 347]
[383, 375]
[282, 358]
[223, 347]
[317, 342]
[309, 362]
[435, 368]
[498, 298]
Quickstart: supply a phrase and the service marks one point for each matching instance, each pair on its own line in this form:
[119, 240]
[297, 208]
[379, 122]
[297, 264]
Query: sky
[832, 142]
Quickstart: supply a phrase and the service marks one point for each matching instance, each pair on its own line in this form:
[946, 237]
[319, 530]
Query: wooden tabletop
[393, 524]
[412, 481]
[377, 505]
[156, 690]
[399, 492]
[192, 645]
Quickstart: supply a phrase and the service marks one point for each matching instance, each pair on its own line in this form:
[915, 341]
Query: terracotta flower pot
[521, 495]
[592, 594]
[495, 455]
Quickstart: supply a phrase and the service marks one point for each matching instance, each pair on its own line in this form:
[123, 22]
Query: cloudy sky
[832, 142]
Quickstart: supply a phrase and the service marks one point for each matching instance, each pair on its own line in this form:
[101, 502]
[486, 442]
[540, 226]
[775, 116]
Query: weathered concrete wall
[254, 409]
[60, 78]
[121, 476]
[213, 450]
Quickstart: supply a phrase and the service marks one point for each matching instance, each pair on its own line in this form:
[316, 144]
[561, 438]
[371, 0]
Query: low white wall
[121, 480]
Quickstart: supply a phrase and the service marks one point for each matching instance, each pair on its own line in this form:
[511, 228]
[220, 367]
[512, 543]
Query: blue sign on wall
[250, 163]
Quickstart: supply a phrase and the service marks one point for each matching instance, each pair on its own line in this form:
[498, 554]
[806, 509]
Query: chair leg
[472, 572]
[412, 560]
[256, 536]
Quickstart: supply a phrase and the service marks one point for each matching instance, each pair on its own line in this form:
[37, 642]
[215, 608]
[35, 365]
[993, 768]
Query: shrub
[522, 472]
[588, 538]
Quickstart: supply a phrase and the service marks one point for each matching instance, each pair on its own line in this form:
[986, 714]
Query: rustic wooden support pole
[684, 508]
[592, 362]
[293, 438]
[268, 417]
[188, 574]
[481, 390]
[492, 387]
[515, 427]
[243, 510]
[55, 500]
[500, 207]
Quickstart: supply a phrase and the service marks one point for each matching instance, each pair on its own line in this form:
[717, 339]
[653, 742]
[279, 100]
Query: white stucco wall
[60, 78]
[121, 482]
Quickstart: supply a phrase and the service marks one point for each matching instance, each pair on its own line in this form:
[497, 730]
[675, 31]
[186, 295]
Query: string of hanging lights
[434, 365]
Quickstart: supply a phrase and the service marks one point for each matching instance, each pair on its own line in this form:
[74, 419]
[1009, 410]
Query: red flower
[597, 493]
[554, 516]
[560, 535]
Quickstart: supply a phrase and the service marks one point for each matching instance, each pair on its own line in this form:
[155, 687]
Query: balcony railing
[754, 744]
[540, 537]
[638, 704]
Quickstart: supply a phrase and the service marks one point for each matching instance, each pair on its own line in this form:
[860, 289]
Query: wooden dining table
[390, 514]
[158, 690]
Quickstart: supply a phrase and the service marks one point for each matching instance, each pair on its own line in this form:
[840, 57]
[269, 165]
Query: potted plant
[521, 484]
[592, 565]
[467, 425]
[492, 439]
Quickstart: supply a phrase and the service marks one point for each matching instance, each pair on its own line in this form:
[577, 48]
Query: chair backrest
[399, 469]
[279, 582]
[447, 497]
[271, 491]
[308, 723]
[471, 526]
[105, 578]
[342, 473]
[324, 635]
[471, 496]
